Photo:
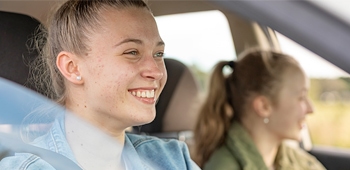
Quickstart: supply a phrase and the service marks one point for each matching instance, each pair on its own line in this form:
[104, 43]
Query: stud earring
[78, 78]
[266, 120]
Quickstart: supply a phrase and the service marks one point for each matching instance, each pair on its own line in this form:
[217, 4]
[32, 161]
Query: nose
[309, 106]
[152, 68]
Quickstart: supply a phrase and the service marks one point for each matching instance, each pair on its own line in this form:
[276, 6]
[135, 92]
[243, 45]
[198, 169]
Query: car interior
[176, 108]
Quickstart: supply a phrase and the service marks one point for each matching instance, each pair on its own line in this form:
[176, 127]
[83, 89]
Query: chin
[144, 119]
[296, 136]
[293, 136]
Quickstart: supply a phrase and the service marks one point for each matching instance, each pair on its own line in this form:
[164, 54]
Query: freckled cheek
[117, 85]
[111, 95]
[95, 71]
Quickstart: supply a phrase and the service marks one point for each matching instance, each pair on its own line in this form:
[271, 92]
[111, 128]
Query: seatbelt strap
[58, 161]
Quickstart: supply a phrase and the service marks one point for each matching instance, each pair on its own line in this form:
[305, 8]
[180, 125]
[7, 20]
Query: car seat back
[16, 32]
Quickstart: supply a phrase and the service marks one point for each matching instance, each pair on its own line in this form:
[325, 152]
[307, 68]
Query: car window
[198, 39]
[189, 36]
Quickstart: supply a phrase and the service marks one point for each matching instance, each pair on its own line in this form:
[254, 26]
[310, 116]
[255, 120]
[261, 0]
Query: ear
[67, 63]
[262, 106]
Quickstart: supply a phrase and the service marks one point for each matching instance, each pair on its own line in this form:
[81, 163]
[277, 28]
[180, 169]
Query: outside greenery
[329, 125]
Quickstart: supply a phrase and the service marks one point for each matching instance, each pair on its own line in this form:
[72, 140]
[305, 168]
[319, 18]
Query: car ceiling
[301, 21]
[40, 9]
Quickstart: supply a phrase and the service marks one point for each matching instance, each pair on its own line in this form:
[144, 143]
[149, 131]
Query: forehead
[116, 25]
[128, 20]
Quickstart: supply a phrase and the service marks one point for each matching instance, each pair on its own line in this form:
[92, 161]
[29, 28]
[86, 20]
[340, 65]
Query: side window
[198, 39]
[329, 93]
[201, 39]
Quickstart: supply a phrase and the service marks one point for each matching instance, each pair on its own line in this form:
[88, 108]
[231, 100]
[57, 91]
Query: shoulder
[165, 153]
[151, 141]
[222, 159]
[300, 158]
[24, 161]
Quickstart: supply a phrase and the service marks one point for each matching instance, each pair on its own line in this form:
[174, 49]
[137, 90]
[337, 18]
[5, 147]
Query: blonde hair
[257, 72]
[68, 30]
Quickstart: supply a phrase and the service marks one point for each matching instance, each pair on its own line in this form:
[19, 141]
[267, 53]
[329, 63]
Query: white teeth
[138, 94]
[143, 94]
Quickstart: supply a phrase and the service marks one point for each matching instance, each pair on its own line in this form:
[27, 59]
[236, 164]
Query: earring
[266, 120]
[78, 78]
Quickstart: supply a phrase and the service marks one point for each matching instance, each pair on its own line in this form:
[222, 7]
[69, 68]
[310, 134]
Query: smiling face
[123, 72]
[288, 116]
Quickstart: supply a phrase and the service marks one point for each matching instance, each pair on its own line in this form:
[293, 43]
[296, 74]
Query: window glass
[198, 39]
[201, 39]
[330, 95]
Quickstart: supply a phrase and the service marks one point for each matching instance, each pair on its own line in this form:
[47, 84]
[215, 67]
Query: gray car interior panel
[330, 41]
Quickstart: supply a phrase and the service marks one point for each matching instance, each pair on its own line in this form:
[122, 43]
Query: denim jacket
[139, 152]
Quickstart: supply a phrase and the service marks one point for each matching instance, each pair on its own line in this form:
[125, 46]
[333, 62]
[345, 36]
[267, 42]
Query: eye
[134, 52]
[303, 97]
[159, 54]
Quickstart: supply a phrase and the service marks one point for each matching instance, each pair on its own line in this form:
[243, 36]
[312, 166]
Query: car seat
[16, 31]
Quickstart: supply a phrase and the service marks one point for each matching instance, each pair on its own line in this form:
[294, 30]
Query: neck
[103, 121]
[268, 151]
[266, 143]
[92, 148]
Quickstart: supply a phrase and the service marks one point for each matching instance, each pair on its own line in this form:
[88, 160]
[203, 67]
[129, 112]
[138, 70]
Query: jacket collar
[243, 148]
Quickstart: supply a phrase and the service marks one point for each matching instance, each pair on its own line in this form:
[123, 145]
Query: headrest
[16, 30]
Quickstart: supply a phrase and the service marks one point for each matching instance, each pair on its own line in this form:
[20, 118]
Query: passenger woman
[249, 112]
[103, 61]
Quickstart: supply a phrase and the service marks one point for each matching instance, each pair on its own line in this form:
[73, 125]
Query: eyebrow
[137, 41]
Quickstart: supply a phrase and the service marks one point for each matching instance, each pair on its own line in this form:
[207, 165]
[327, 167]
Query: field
[329, 125]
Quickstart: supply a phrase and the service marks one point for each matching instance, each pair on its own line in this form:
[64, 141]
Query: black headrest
[175, 70]
[16, 30]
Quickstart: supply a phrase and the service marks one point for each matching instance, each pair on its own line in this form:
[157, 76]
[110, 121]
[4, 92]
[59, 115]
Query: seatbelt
[58, 161]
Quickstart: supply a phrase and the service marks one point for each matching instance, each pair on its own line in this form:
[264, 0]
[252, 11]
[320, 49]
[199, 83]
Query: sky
[204, 38]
